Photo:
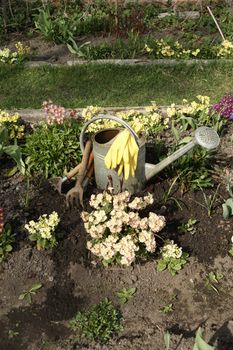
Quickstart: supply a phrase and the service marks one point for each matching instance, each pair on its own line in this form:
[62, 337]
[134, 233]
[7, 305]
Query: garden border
[38, 115]
[129, 62]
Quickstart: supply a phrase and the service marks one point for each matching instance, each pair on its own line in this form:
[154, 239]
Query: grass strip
[111, 85]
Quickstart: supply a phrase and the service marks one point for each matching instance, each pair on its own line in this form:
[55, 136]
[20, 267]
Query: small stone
[166, 14]
[134, 278]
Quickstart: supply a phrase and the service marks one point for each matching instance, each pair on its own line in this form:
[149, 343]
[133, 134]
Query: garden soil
[72, 280]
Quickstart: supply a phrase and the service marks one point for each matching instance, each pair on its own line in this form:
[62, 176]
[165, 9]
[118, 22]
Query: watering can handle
[116, 119]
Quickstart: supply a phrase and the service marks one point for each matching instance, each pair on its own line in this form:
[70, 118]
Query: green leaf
[22, 296]
[228, 208]
[185, 140]
[35, 287]
[72, 50]
[125, 294]
[167, 339]
[161, 265]
[231, 251]
[12, 171]
[175, 132]
[14, 152]
[200, 344]
[4, 135]
[28, 297]
[226, 211]
[8, 248]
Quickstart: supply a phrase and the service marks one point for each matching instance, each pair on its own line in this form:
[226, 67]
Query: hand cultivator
[83, 171]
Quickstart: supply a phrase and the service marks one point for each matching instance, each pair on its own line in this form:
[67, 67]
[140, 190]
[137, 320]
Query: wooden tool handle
[90, 171]
[85, 162]
[91, 160]
[73, 171]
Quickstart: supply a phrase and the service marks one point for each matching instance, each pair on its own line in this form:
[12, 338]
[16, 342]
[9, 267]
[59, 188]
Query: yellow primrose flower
[148, 49]
[196, 52]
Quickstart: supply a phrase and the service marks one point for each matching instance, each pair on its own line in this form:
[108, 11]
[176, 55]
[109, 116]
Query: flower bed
[165, 251]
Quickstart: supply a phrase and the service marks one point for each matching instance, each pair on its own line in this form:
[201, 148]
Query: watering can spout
[203, 136]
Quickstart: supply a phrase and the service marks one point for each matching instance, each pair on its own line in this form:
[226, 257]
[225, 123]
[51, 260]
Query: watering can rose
[117, 233]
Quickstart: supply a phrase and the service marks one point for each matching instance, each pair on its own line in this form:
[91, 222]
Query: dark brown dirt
[72, 281]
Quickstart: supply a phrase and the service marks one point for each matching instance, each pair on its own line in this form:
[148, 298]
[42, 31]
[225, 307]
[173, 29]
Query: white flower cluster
[44, 227]
[171, 250]
[117, 231]
[7, 56]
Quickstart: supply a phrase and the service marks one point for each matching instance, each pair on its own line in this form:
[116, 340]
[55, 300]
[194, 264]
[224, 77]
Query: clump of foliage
[58, 29]
[52, 149]
[117, 233]
[194, 114]
[125, 294]
[11, 150]
[43, 231]
[27, 295]
[172, 258]
[12, 132]
[61, 25]
[100, 322]
[7, 238]
[188, 226]
[136, 46]
[194, 169]
[213, 279]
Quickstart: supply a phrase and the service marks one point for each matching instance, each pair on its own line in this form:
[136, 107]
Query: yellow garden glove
[123, 154]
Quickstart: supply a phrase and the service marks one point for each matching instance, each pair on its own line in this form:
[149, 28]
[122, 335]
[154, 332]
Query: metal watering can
[102, 140]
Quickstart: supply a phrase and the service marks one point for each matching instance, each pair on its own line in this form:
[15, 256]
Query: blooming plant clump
[194, 114]
[12, 122]
[225, 106]
[225, 49]
[172, 258]
[10, 57]
[55, 114]
[117, 233]
[163, 49]
[148, 123]
[43, 231]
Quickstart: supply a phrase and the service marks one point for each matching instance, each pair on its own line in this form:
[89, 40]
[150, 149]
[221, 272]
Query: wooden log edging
[129, 62]
[37, 115]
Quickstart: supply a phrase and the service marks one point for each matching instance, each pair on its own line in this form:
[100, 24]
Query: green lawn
[109, 85]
